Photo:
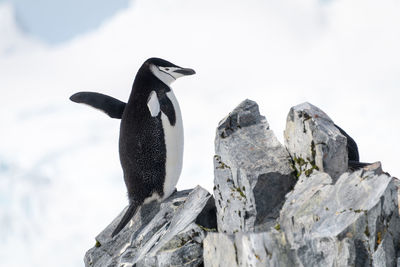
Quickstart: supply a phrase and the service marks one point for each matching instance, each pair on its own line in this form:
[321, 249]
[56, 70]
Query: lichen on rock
[314, 142]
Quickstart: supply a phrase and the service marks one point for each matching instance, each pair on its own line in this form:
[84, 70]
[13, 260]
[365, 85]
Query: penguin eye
[167, 69]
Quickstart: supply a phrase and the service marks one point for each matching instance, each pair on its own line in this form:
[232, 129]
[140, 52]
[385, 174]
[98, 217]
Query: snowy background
[60, 178]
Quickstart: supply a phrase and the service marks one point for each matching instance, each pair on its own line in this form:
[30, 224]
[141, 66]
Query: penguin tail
[354, 165]
[125, 219]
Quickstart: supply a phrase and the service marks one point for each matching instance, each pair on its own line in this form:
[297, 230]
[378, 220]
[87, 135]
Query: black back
[141, 143]
[142, 146]
[352, 147]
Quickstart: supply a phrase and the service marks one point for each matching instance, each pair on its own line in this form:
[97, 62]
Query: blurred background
[60, 178]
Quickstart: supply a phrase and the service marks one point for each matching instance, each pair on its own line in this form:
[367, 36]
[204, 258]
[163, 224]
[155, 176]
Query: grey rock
[385, 254]
[219, 250]
[329, 216]
[160, 234]
[184, 249]
[252, 171]
[248, 249]
[332, 217]
[352, 222]
[314, 142]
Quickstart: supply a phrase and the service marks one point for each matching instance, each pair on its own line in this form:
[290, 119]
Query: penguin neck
[145, 82]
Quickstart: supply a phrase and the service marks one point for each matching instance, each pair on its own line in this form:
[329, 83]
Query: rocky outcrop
[166, 234]
[353, 222]
[314, 141]
[299, 205]
[333, 216]
[252, 172]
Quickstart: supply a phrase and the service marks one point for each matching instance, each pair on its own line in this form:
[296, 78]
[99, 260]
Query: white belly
[174, 146]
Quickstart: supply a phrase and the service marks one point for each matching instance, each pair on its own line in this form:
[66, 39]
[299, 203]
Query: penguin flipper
[351, 146]
[125, 219]
[110, 105]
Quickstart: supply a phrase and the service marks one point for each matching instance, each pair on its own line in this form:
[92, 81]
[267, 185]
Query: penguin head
[166, 71]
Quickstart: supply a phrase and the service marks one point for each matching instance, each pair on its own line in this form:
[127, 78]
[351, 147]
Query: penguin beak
[185, 71]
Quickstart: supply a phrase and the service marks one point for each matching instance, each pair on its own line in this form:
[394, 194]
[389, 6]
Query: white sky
[63, 183]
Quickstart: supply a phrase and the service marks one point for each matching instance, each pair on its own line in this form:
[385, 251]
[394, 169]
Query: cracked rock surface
[248, 249]
[252, 171]
[333, 216]
[353, 222]
[314, 142]
[166, 234]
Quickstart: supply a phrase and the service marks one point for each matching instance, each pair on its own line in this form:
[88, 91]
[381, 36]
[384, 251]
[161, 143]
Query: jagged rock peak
[314, 142]
[245, 114]
[334, 216]
[252, 171]
[298, 205]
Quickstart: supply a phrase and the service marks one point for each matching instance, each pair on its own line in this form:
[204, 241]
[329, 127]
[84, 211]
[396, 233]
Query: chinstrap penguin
[151, 133]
